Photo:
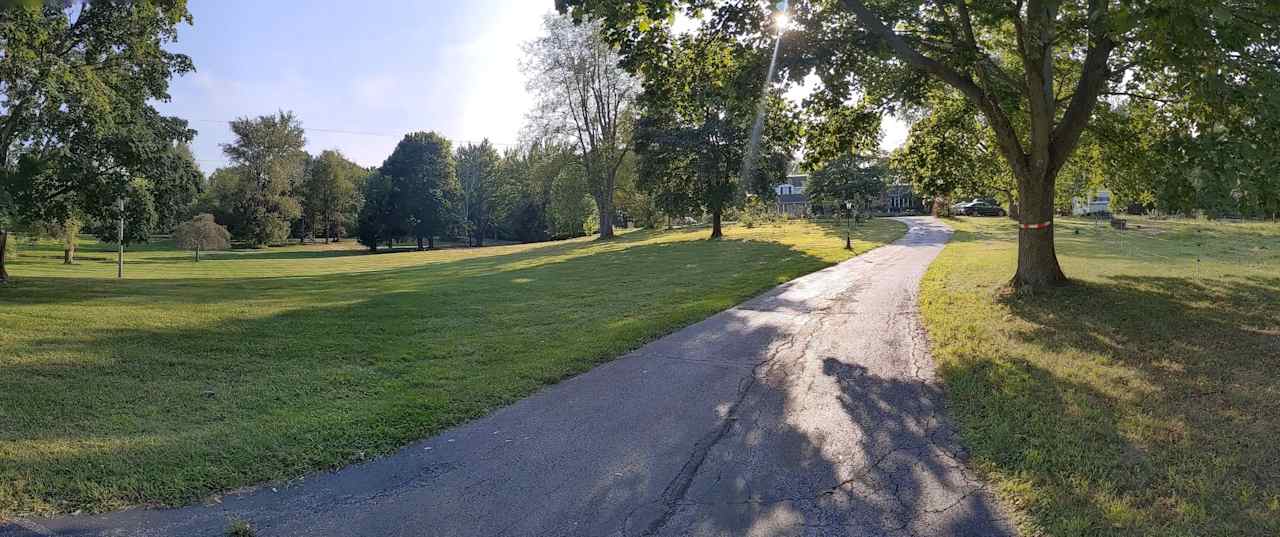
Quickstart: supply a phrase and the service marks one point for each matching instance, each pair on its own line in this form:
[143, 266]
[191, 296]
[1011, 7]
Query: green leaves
[269, 156]
[694, 134]
[76, 121]
[329, 195]
[848, 178]
[424, 177]
[947, 152]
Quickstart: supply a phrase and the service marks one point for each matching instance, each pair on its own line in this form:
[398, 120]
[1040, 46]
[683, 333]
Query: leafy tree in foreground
[425, 181]
[694, 133]
[585, 97]
[77, 83]
[329, 194]
[269, 156]
[1034, 69]
[202, 233]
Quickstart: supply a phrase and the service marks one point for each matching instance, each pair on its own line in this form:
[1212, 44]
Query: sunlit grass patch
[186, 379]
[1140, 400]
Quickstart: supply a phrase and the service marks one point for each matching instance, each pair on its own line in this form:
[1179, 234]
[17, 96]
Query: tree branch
[999, 121]
[1093, 79]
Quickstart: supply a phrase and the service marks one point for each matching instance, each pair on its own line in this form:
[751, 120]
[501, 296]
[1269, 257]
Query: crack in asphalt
[675, 491]
[917, 367]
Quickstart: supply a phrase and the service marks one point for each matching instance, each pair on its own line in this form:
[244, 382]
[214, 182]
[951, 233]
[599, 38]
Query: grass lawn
[1144, 399]
[186, 379]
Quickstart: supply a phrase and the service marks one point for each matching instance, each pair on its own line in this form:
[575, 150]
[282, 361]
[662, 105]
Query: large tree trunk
[1037, 259]
[4, 243]
[69, 253]
[419, 243]
[1050, 145]
[604, 205]
[431, 242]
[716, 213]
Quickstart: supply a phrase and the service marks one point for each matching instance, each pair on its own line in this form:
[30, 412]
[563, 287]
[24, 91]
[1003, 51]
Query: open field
[186, 378]
[1142, 400]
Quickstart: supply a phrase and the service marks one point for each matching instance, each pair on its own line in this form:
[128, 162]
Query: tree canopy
[77, 124]
[694, 135]
[478, 175]
[140, 216]
[269, 159]
[201, 233]
[1035, 70]
[425, 180]
[586, 98]
[856, 179]
[329, 194]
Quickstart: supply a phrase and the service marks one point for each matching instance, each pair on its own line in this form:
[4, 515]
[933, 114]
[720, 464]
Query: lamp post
[120, 243]
[848, 230]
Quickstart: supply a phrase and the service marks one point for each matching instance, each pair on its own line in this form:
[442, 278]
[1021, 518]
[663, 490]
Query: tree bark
[4, 243]
[1049, 144]
[605, 207]
[419, 244]
[716, 213]
[197, 253]
[69, 253]
[1037, 261]
[431, 242]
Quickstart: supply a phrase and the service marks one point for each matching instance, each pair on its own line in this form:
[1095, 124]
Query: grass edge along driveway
[188, 379]
[1140, 400]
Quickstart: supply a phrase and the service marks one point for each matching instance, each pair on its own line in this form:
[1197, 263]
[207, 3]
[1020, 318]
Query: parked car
[979, 208]
[959, 208]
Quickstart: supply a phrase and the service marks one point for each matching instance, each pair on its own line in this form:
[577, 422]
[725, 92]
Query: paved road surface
[809, 410]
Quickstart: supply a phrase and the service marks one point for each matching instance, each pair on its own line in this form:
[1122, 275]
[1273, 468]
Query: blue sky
[451, 67]
[375, 70]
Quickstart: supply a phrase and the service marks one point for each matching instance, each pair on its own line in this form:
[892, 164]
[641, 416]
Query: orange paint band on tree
[1041, 225]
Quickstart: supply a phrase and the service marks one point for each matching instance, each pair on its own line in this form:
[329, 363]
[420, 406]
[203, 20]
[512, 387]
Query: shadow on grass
[285, 402]
[346, 364]
[1174, 430]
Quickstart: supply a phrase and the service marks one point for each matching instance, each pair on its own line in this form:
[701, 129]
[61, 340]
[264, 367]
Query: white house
[1098, 202]
[794, 185]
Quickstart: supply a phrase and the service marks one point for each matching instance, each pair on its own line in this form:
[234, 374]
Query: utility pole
[848, 230]
[120, 243]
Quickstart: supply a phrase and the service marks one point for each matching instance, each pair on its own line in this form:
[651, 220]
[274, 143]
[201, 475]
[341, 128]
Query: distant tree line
[425, 190]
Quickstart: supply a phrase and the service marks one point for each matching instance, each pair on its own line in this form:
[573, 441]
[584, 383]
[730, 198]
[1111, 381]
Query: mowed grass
[187, 379]
[1144, 399]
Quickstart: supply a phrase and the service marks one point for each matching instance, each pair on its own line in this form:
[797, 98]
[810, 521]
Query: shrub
[202, 233]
